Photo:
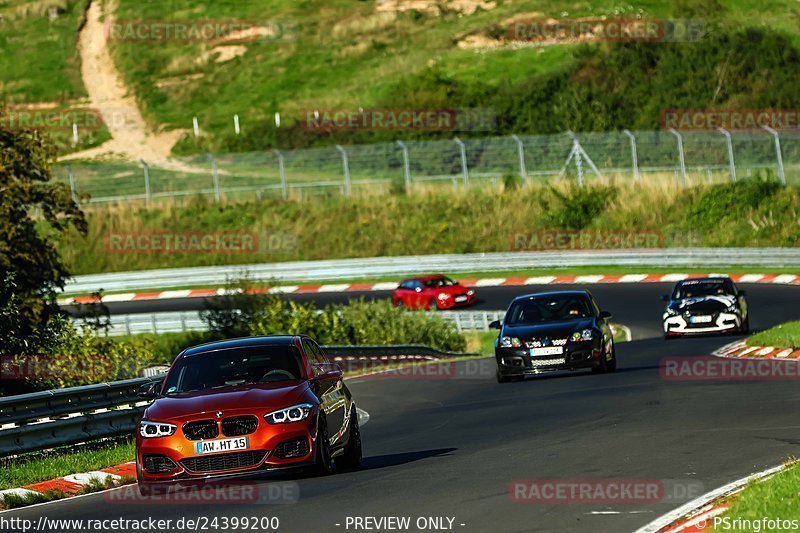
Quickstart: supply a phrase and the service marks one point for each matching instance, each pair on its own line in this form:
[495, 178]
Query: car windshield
[231, 367]
[695, 289]
[553, 308]
[435, 283]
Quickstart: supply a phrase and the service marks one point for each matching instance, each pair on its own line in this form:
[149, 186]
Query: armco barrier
[302, 271]
[43, 420]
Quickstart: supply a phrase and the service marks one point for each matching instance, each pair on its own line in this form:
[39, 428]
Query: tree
[33, 210]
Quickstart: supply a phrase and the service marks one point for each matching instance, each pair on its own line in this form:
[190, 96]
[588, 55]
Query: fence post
[634, 157]
[195, 127]
[464, 169]
[215, 176]
[72, 184]
[681, 158]
[778, 155]
[406, 166]
[523, 173]
[146, 170]
[282, 172]
[346, 168]
[730, 152]
[236, 124]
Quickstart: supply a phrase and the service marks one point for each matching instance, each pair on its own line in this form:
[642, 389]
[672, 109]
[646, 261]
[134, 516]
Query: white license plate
[548, 362]
[221, 445]
[460, 299]
[699, 319]
[550, 350]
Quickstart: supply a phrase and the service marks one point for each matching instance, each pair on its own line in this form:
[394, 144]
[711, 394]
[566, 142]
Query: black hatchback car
[552, 331]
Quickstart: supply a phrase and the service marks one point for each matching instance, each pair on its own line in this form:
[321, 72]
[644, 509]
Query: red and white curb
[782, 279]
[741, 350]
[74, 483]
[698, 514]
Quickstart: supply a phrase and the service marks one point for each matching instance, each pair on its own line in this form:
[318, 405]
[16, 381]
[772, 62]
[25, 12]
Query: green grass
[43, 466]
[774, 498]
[748, 213]
[785, 335]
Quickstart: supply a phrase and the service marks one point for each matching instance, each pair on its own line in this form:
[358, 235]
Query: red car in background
[432, 292]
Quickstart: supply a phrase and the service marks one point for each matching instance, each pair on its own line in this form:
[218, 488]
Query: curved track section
[451, 446]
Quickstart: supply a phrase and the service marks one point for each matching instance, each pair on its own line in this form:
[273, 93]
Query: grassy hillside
[347, 54]
[748, 213]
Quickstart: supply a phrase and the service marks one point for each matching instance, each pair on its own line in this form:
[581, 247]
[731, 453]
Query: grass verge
[43, 466]
[786, 335]
[773, 498]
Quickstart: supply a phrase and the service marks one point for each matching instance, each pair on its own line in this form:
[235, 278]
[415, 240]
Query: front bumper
[265, 444]
[682, 324]
[516, 362]
[451, 303]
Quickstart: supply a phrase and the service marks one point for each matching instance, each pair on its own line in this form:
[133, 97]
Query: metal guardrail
[181, 321]
[302, 271]
[44, 420]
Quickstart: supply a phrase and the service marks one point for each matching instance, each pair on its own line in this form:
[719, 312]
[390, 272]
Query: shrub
[577, 207]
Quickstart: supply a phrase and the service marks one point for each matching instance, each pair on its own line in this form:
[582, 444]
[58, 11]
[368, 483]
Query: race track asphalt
[451, 445]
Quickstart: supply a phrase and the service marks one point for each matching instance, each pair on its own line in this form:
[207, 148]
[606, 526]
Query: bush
[577, 207]
[360, 322]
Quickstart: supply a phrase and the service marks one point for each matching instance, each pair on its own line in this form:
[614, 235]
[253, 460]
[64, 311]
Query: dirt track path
[108, 93]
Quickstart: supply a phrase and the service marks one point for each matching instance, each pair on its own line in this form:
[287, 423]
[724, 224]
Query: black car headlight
[671, 312]
[580, 336]
[295, 413]
[151, 430]
[731, 308]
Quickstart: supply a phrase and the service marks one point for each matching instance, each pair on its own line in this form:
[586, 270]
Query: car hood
[261, 397]
[452, 289]
[704, 304]
[553, 330]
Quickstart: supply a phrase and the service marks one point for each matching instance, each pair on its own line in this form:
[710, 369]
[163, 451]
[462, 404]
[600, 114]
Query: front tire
[501, 378]
[323, 463]
[432, 305]
[353, 454]
[745, 327]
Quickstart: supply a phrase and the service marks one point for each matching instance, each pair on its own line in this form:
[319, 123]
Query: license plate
[699, 319]
[221, 445]
[548, 362]
[460, 299]
[550, 350]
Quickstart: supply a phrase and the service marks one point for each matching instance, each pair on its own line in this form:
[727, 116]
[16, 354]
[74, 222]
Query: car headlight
[510, 342]
[295, 413]
[585, 335]
[151, 430]
[731, 309]
[671, 312]
[470, 292]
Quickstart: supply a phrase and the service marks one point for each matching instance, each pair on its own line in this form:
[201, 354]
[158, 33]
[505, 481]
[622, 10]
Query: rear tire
[351, 459]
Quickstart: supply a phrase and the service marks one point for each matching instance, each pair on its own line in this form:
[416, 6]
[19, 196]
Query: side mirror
[149, 390]
[664, 297]
[496, 325]
[327, 371]
[605, 315]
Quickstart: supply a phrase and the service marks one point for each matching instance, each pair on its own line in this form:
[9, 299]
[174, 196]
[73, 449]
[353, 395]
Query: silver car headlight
[579, 336]
[295, 413]
[151, 430]
[510, 342]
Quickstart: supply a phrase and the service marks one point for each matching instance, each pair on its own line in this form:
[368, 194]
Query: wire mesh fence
[687, 159]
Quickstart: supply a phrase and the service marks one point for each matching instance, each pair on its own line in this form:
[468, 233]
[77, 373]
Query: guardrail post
[215, 176]
[729, 142]
[183, 322]
[72, 184]
[282, 172]
[778, 155]
[464, 169]
[523, 173]
[681, 158]
[128, 324]
[634, 157]
[406, 166]
[155, 325]
[346, 168]
[146, 169]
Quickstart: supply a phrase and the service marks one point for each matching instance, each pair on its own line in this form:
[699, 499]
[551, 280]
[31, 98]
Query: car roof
[553, 293]
[424, 278]
[242, 342]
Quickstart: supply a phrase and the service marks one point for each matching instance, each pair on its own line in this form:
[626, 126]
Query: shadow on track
[397, 459]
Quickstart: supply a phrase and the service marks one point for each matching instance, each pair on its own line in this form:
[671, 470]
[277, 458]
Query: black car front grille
[201, 429]
[223, 461]
[236, 426]
[545, 342]
[291, 448]
[158, 464]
